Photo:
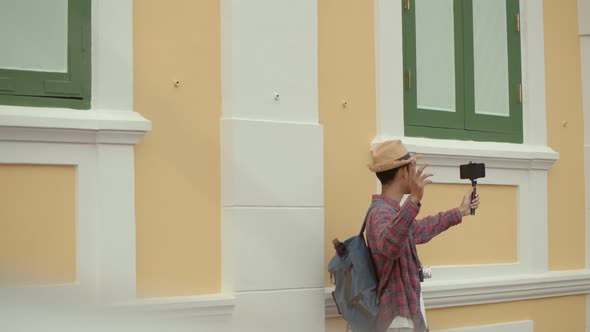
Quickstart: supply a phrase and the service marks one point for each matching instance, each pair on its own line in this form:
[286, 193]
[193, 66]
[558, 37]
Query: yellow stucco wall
[178, 163]
[346, 72]
[486, 238]
[37, 225]
[564, 103]
[570, 315]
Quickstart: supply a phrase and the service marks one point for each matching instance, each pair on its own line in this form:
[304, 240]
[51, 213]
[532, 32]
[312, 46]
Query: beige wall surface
[178, 198]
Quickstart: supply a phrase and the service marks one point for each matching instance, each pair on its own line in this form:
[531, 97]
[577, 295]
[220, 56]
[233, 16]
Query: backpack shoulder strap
[373, 204]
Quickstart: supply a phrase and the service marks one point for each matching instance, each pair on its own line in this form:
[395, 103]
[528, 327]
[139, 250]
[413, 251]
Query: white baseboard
[523, 326]
[183, 306]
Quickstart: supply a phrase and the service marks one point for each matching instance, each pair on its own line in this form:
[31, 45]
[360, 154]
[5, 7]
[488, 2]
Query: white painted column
[389, 68]
[112, 94]
[584, 30]
[116, 223]
[272, 165]
[112, 55]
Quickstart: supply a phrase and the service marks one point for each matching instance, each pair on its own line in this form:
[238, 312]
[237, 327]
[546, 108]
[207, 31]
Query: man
[393, 232]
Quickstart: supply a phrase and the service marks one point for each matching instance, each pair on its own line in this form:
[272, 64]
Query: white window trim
[99, 144]
[390, 90]
[524, 165]
[111, 118]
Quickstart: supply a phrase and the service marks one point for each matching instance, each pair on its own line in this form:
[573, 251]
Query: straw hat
[389, 155]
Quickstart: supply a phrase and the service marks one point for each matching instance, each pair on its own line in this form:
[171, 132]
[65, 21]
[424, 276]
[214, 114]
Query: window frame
[464, 123]
[534, 158]
[71, 89]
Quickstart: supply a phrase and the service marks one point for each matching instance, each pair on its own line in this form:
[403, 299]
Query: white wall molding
[182, 306]
[105, 216]
[495, 155]
[522, 326]
[182, 314]
[71, 126]
[464, 292]
[512, 288]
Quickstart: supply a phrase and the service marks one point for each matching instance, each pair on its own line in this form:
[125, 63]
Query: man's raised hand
[418, 180]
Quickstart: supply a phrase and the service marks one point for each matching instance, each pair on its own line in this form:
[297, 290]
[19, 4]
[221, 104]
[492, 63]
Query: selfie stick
[473, 194]
[473, 171]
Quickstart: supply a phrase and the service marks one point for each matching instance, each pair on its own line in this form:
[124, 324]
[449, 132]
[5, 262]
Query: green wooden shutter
[415, 116]
[511, 124]
[465, 123]
[51, 89]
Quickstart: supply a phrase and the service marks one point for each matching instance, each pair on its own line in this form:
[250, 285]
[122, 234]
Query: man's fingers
[427, 182]
[475, 203]
[426, 176]
[422, 169]
[412, 168]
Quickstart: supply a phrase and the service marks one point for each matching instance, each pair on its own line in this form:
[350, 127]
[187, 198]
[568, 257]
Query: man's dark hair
[387, 176]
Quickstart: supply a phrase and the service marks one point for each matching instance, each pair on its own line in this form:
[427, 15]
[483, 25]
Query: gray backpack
[353, 273]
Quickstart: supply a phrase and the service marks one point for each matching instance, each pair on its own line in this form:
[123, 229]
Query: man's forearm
[426, 229]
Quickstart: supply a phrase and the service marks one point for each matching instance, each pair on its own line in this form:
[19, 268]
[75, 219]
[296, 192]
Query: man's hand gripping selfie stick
[473, 194]
[473, 172]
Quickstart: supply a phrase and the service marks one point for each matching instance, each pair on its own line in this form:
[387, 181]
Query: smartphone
[473, 171]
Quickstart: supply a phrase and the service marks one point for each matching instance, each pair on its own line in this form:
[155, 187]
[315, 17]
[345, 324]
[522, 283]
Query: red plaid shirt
[392, 235]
